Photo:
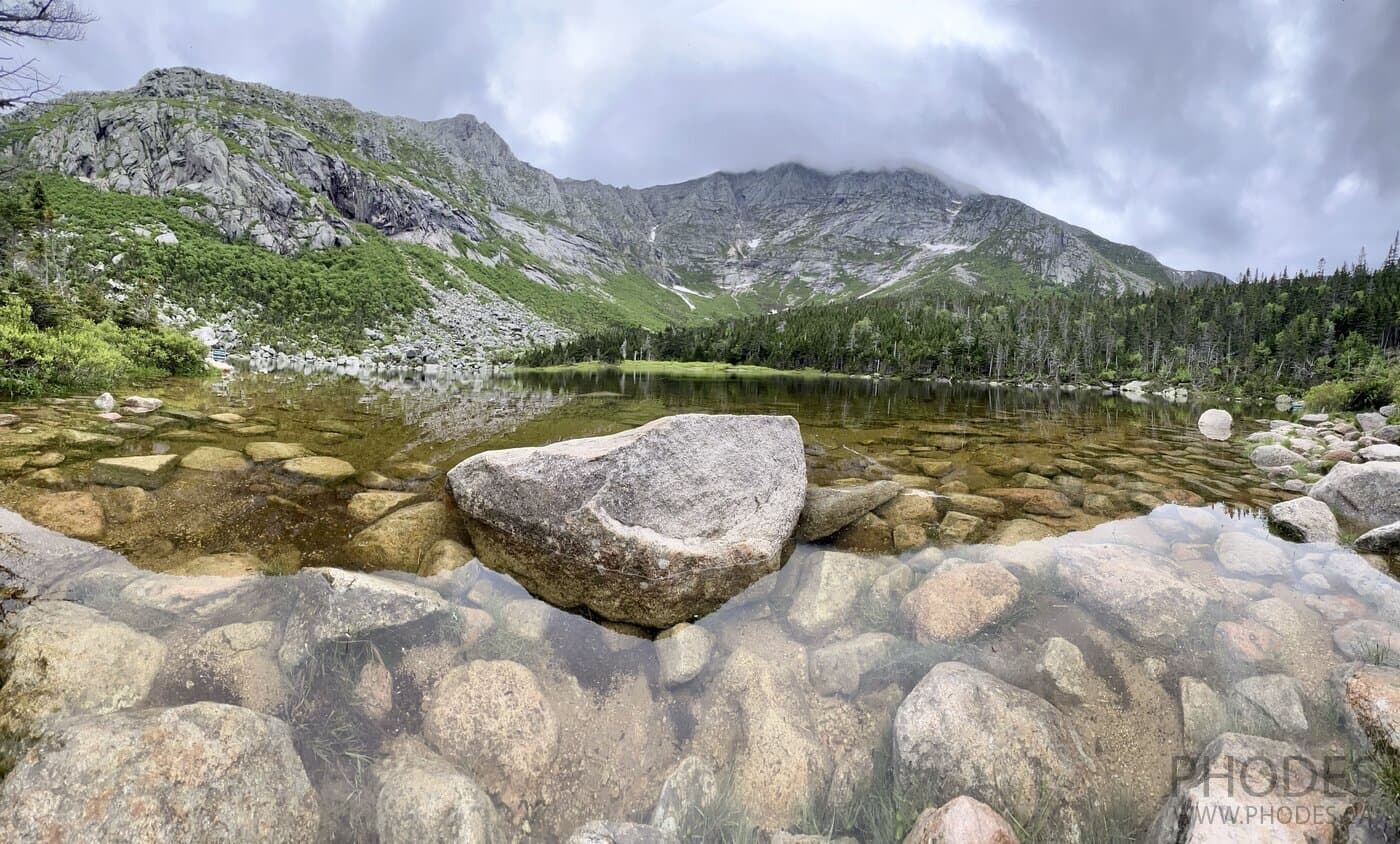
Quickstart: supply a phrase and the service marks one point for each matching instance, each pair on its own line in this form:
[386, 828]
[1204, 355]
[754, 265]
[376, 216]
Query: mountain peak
[300, 168]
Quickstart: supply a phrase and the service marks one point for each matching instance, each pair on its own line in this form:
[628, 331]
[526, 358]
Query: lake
[1088, 579]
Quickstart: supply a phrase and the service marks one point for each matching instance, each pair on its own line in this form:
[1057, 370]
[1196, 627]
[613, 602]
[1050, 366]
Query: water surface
[1133, 475]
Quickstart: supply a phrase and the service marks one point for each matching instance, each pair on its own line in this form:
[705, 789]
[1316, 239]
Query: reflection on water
[1144, 601]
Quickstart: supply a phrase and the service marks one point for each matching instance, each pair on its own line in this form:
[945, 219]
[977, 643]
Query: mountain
[490, 252]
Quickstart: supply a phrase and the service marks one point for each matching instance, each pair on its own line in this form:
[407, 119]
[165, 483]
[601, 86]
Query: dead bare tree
[38, 20]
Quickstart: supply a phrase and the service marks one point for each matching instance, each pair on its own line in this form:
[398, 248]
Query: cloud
[1218, 135]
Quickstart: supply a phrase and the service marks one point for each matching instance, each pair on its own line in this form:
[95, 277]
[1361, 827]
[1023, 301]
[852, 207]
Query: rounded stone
[961, 602]
[492, 718]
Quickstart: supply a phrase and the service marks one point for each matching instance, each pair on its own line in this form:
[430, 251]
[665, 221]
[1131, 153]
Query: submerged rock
[1366, 494]
[75, 514]
[423, 798]
[210, 458]
[1269, 704]
[269, 452]
[1303, 520]
[1203, 714]
[228, 564]
[958, 528]
[492, 718]
[1064, 665]
[980, 736]
[369, 506]
[755, 712]
[831, 585]
[652, 526]
[203, 772]
[683, 652]
[1368, 640]
[688, 790]
[1371, 694]
[960, 603]
[620, 832]
[1241, 776]
[319, 470]
[334, 605]
[839, 667]
[400, 540]
[148, 472]
[1138, 590]
[65, 659]
[241, 659]
[828, 509]
[1249, 555]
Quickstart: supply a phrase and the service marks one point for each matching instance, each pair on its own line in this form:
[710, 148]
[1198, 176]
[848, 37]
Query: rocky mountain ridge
[290, 173]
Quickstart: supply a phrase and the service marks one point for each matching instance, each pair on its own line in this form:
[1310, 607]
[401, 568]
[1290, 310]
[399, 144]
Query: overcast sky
[1216, 135]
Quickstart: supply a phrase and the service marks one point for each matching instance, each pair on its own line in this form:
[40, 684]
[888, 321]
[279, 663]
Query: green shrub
[82, 354]
[1329, 395]
[1371, 394]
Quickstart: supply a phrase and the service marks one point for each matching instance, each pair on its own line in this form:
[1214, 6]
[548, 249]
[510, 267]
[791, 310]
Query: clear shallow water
[621, 720]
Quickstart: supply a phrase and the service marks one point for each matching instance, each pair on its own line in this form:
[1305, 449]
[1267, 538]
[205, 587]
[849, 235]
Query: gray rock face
[1381, 452]
[64, 659]
[941, 733]
[1370, 421]
[1303, 520]
[651, 526]
[308, 177]
[828, 509]
[1365, 494]
[1239, 773]
[206, 772]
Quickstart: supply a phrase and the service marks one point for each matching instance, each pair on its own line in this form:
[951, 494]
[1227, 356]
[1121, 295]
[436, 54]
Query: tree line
[1255, 334]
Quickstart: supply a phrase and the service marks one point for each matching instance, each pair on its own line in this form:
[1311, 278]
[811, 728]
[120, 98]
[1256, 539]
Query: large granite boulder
[1365, 494]
[651, 526]
[203, 772]
[983, 737]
